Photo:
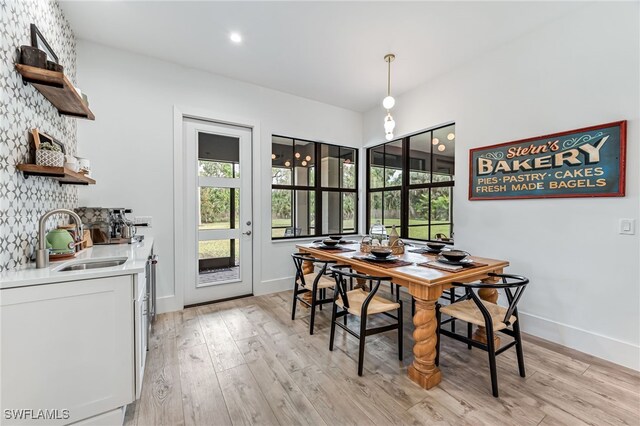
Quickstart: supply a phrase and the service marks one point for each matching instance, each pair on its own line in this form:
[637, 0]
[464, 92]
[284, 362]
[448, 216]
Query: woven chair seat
[468, 311]
[376, 306]
[324, 282]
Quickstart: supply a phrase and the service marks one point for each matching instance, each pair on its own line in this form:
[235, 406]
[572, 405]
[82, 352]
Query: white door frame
[175, 301]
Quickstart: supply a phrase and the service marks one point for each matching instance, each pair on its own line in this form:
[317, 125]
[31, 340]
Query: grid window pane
[331, 204]
[349, 168]
[420, 158]
[375, 208]
[303, 160]
[349, 209]
[304, 213]
[281, 213]
[282, 161]
[441, 213]
[330, 166]
[393, 161]
[391, 209]
[444, 154]
[376, 167]
[419, 214]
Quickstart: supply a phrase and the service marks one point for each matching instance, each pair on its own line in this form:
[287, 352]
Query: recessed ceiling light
[235, 37]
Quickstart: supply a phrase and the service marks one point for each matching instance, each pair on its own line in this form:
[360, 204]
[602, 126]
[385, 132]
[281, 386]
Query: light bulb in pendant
[441, 148]
[297, 155]
[435, 141]
[273, 156]
[388, 102]
[308, 158]
[389, 136]
[287, 163]
[389, 124]
[451, 136]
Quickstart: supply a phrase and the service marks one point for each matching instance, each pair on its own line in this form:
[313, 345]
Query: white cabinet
[68, 346]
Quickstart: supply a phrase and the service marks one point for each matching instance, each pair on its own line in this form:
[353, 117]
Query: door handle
[247, 233]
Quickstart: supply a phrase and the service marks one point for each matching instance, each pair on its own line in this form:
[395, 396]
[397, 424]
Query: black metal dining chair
[315, 283]
[473, 310]
[362, 302]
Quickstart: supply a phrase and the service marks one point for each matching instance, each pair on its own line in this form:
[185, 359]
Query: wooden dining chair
[473, 310]
[362, 302]
[316, 283]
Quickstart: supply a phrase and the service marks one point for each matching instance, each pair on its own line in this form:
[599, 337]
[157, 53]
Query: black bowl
[381, 253]
[335, 237]
[435, 246]
[454, 255]
[330, 243]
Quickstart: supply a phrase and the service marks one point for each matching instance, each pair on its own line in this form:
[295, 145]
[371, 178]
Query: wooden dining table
[426, 285]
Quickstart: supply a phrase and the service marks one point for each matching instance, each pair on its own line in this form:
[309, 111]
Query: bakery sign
[587, 162]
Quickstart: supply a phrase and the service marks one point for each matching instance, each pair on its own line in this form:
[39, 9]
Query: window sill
[353, 237]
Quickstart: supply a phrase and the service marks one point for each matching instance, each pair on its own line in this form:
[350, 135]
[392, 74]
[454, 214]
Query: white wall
[130, 144]
[578, 71]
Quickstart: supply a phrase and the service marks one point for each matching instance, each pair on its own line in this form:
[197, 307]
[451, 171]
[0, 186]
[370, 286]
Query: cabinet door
[140, 319]
[68, 346]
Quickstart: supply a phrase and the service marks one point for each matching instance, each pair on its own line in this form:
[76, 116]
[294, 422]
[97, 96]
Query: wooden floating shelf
[62, 174]
[57, 88]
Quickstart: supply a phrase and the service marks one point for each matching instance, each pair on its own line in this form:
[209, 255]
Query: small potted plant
[50, 155]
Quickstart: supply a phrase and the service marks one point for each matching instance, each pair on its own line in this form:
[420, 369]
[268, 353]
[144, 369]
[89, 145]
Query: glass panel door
[220, 194]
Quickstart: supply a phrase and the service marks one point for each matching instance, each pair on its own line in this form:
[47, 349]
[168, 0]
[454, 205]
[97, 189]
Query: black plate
[451, 262]
[373, 258]
[432, 251]
[323, 247]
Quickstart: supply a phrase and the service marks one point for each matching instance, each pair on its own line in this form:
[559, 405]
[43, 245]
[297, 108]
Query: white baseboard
[616, 351]
[273, 286]
[166, 304]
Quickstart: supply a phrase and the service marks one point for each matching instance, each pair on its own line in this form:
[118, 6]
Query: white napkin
[444, 266]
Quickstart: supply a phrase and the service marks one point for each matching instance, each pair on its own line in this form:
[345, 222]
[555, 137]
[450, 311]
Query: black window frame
[405, 187]
[317, 189]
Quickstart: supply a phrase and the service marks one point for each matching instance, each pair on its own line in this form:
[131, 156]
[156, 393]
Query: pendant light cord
[389, 77]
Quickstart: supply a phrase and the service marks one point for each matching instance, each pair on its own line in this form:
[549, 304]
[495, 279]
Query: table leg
[488, 295]
[424, 371]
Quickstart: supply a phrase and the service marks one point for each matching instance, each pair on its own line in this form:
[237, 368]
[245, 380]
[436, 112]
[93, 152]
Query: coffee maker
[109, 225]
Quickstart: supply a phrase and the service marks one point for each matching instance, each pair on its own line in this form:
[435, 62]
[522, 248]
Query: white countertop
[28, 275]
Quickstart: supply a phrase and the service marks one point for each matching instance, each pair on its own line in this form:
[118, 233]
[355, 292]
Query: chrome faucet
[42, 253]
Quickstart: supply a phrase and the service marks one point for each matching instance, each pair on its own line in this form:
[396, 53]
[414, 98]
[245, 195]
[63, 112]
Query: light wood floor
[246, 362]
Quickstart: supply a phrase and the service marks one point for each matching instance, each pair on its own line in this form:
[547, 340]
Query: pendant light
[388, 102]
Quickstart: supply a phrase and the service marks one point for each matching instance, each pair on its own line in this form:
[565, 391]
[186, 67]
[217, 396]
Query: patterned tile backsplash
[23, 201]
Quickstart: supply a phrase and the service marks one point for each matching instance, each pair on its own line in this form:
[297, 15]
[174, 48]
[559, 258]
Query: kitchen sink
[80, 265]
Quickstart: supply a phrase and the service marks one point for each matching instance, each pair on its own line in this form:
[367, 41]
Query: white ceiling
[328, 51]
